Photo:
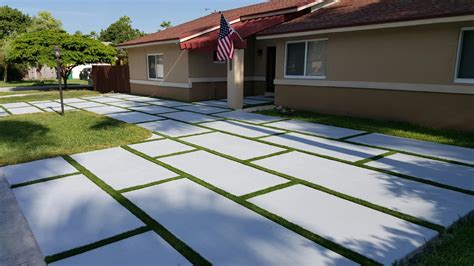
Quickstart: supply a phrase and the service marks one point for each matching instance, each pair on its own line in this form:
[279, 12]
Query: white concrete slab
[250, 101]
[122, 169]
[248, 117]
[58, 109]
[86, 104]
[315, 129]
[92, 97]
[215, 103]
[173, 128]
[336, 149]
[234, 146]
[122, 96]
[24, 110]
[154, 137]
[134, 117]
[105, 110]
[242, 129]
[448, 152]
[441, 172]
[189, 117]
[233, 177]
[430, 203]
[35, 170]
[3, 113]
[15, 105]
[71, 212]
[224, 232]
[144, 249]
[168, 103]
[143, 99]
[161, 147]
[47, 104]
[72, 100]
[128, 104]
[202, 109]
[152, 109]
[106, 100]
[371, 233]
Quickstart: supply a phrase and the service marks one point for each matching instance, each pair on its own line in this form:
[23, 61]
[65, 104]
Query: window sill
[305, 77]
[464, 81]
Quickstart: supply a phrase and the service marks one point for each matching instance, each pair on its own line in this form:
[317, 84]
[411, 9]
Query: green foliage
[44, 20]
[165, 25]
[120, 31]
[12, 20]
[37, 48]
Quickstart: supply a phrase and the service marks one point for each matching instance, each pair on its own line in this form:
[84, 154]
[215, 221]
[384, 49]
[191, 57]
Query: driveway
[229, 187]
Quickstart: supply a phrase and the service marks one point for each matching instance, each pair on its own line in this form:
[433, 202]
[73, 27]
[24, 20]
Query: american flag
[225, 46]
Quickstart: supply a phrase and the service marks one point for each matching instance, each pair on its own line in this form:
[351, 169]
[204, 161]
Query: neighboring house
[40, 74]
[383, 59]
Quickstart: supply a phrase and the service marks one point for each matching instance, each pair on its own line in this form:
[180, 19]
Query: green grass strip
[268, 156]
[41, 180]
[375, 158]
[268, 190]
[355, 136]
[175, 242]
[293, 227]
[175, 153]
[125, 190]
[98, 244]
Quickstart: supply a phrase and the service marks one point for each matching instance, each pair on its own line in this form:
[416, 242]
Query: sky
[146, 15]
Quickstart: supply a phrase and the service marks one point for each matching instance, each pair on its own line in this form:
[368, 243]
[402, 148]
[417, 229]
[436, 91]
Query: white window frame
[304, 76]
[458, 59]
[148, 67]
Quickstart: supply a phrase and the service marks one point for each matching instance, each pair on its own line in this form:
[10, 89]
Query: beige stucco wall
[415, 54]
[407, 57]
[180, 94]
[176, 65]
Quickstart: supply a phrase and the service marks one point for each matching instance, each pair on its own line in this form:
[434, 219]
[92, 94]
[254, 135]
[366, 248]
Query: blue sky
[89, 15]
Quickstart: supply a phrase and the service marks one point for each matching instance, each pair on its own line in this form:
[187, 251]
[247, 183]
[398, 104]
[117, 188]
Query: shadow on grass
[26, 133]
[107, 124]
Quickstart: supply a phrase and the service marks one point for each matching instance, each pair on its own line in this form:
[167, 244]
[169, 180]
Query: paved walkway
[230, 187]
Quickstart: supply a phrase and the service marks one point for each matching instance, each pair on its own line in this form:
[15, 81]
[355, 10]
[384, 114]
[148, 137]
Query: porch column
[235, 80]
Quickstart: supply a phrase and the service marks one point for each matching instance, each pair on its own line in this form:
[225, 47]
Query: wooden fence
[111, 79]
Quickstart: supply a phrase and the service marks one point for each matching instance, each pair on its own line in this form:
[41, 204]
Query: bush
[85, 74]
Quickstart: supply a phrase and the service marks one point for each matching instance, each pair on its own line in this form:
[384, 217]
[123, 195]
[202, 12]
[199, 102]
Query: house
[384, 59]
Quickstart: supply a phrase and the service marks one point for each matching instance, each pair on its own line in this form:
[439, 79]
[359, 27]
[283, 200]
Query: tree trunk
[65, 81]
[5, 73]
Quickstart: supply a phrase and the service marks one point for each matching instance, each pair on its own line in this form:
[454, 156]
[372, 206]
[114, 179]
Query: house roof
[349, 13]
[210, 21]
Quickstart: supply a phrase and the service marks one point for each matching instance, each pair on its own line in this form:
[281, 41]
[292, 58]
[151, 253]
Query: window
[155, 66]
[465, 64]
[306, 59]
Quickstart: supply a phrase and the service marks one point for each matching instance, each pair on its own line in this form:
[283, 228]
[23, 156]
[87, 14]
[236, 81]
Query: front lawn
[399, 129]
[35, 83]
[36, 95]
[36, 136]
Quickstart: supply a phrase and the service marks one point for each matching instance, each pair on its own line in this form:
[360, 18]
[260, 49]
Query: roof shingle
[347, 13]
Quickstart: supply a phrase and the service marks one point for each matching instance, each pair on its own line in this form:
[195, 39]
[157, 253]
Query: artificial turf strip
[453, 248]
[175, 154]
[397, 214]
[400, 129]
[30, 137]
[41, 180]
[98, 244]
[125, 190]
[175, 242]
[267, 156]
[375, 158]
[268, 190]
[291, 226]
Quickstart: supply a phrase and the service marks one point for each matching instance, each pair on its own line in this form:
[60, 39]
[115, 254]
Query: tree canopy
[12, 21]
[165, 25]
[120, 31]
[37, 48]
[44, 20]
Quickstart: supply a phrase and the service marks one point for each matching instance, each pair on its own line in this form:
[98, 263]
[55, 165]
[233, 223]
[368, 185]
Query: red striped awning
[245, 29]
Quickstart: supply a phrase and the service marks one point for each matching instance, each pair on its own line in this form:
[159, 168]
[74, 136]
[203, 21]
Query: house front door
[271, 65]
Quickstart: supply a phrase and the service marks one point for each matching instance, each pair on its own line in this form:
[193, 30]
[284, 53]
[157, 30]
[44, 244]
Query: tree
[120, 31]
[37, 48]
[165, 25]
[12, 22]
[44, 20]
